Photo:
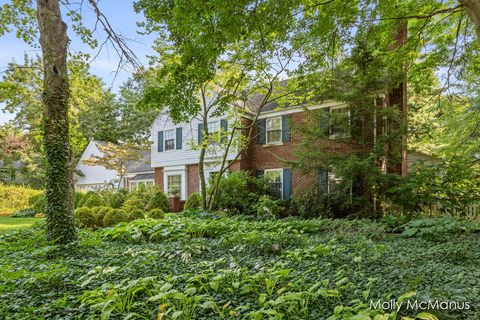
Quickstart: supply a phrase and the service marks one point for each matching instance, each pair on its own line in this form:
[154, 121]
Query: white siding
[94, 176]
[177, 157]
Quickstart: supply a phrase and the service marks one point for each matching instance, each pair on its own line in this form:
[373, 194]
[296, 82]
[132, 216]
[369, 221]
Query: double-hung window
[213, 126]
[174, 185]
[170, 139]
[275, 178]
[274, 129]
[340, 122]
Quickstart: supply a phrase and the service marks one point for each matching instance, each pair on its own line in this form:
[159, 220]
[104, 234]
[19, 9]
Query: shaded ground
[209, 268]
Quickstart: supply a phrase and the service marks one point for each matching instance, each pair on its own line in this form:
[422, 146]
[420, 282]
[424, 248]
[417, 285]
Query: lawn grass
[8, 224]
[234, 268]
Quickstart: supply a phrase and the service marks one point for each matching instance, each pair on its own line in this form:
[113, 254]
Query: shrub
[99, 213]
[194, 201]
[307, 204]
[133, 204]
[155, 214]
[115, 216]
[77, 198]
[136, 214]
[24, 213]
[233, 194]
[118, 198]
[14, 198]
[86, 217]
[85, 197]
[93, 200]
[266, 207]
[440, 228]
[158, 200]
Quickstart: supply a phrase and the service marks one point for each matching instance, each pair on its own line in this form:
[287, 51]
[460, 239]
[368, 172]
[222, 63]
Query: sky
[122, 18]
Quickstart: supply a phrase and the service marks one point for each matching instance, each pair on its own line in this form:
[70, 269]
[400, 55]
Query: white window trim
[266, 131]
[175, 171]
[345, 135]
[136, 182]
[281, 177]
[174, 140]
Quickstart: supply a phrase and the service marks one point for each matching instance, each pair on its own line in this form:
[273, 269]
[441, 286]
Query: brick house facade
[274, 144]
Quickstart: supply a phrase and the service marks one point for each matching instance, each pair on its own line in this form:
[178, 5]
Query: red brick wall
[263, 157]
[193, 179]
[159, 177]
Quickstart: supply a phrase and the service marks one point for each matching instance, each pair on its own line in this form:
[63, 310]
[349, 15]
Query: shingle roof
[142, 165]
[143, 176]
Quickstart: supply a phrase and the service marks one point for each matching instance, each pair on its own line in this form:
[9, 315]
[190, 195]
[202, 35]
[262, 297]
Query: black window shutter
[259, 173]
[324, 119]
[160, 141]
[179, 138]
[287, 183]
[224, 126]
[261, 124]
[286, 127]
[322, 181]
[200, 133]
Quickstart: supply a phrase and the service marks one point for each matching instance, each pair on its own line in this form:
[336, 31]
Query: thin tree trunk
[59, 174]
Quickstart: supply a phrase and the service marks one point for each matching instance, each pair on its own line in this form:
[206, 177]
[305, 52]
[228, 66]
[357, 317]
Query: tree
[116, 157]
[221, 56]
[53, 39]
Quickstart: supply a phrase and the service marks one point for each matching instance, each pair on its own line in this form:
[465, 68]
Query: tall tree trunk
[59, 175]
[473, 10]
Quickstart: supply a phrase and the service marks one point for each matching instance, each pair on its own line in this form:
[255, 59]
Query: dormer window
[274, 130]
[170, 139]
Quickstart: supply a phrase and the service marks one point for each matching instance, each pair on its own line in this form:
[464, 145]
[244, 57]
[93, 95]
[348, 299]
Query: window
[275, 178]
[174, 185]
[134, 185]
[340, 122]
[274, 129]
[213, 126]
[170, 139]
[333, 182]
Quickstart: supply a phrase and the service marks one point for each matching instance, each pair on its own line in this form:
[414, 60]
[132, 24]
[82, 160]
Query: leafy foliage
[208, 267]
[194, 201]
[14, 198]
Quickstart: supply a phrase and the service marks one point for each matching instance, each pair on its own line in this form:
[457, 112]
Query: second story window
[274, 129]
[340, 123]
[213, 126]
[170, 139]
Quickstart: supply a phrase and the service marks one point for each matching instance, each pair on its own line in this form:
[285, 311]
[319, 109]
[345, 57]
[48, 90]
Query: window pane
[275, 179]
[340, 122]
[170, 144]
[274, 123]
[213, 126]
[169, 134]
[174, 185]
[274, 136]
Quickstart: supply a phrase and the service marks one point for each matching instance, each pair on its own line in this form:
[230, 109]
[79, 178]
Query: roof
[142, 165]
[143, 176]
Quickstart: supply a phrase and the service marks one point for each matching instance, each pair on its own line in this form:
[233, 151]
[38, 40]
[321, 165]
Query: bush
[24, 213]
[136, 214]
[118, 198]
[133, 204]
[233, 193]
[307, 204]
[14, 198]
[86, 217]
[156, 214]
[93, 200]
[158, 200]
[440, 228]
[77, 198]
[114, 217]
[194, 201]
[266, 207]
[99, 213]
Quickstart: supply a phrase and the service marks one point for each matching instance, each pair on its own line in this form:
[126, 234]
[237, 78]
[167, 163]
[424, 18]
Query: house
[92, 178]
[175, 161]
[140, 172]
